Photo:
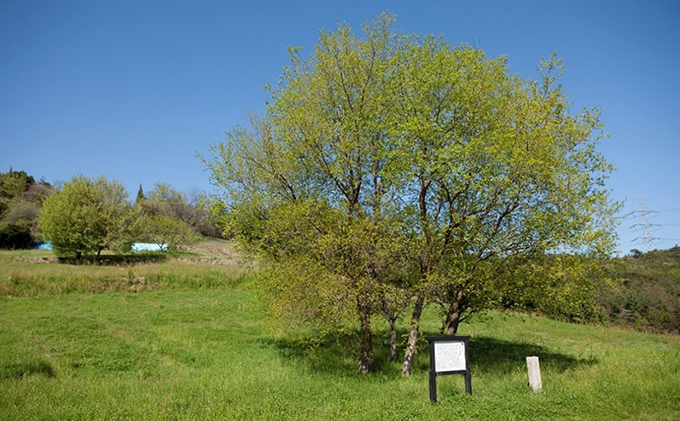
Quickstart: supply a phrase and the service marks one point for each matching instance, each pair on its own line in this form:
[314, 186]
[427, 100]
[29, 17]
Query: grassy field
[191, 343]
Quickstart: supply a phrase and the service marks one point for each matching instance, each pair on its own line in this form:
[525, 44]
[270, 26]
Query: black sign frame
[433, 373]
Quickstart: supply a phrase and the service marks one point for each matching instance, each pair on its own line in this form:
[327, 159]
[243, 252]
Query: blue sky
[133, 89]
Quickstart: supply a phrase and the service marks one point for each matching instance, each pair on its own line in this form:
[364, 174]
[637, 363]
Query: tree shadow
[497, 356]
[29, 368]
[115, 260]
[337, 354]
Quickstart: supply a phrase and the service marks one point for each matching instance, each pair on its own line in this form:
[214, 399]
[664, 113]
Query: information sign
[448, 355]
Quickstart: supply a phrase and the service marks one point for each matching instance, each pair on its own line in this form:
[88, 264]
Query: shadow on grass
[118, 259]
[491, 355]
[333, 353]
[337, 354]
[21, 370]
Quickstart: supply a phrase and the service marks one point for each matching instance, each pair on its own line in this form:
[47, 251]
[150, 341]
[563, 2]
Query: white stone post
[534, 374]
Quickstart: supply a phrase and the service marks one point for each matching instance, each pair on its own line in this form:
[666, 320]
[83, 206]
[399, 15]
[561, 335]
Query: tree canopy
[87, 216]
[165, 231]
[392, 170]
[20, 200]
[164, 200]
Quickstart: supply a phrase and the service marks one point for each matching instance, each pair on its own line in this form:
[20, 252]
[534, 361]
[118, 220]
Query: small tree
[165, 231]
[140, 195]
[86, 216]
[165, 200]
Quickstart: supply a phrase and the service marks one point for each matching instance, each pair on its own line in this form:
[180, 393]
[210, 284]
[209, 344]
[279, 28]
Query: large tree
[306, 185]
[87, 216]
[500, 172]
[393, 170]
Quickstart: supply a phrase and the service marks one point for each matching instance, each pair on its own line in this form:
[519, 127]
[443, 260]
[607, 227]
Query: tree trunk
[393, 339]
[366, 358]
[413, 332]
[452, 323]
[453, 314]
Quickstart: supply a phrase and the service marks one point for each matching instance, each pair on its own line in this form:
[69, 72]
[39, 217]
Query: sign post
[448, 355]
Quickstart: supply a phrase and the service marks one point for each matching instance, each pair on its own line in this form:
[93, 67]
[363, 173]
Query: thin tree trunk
[413, 332]
[366, 358]
[393, 339]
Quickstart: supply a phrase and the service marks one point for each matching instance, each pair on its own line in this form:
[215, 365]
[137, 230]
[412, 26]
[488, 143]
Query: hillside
[646, 291]
[185, 339]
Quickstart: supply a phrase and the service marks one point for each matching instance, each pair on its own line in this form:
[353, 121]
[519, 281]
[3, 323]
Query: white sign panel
[449, 356]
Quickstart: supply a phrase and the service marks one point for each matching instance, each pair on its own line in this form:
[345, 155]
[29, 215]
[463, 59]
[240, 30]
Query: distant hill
[646, 293]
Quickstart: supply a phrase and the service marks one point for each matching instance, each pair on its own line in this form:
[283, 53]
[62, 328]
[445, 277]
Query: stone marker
[534, 374]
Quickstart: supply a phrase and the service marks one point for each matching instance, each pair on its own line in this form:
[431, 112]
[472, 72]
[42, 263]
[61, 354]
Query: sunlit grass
[196, 348]
[28, 279]
[204, 354]
[39, 273]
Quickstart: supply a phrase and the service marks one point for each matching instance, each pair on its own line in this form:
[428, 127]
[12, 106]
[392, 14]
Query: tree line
[640, 290]
[646, 291]
[21, 199]
[89, 215]
[391, 172]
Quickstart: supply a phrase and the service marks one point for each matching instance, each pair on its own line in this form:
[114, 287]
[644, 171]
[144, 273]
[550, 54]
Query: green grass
[38, 273]
[184, 351]
[21, 279]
